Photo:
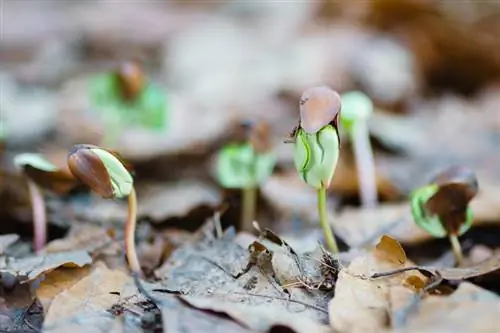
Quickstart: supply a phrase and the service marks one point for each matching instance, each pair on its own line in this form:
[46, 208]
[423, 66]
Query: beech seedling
[245, 164]
[41, 174]
[105, 172]
[356, 110]
[126, 97]
[442, 207]
[317, 146]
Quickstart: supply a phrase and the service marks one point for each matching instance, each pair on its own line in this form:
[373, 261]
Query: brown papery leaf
[59, 182]
[390, 250]
[85, 304]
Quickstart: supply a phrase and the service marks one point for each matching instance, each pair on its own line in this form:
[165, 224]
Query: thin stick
[39, 216]
[327, 230]
[130, 227]
[365, 164]
[249, 203]
[457, 248]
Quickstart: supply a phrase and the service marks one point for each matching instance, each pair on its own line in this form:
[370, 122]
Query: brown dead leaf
[389, 249]
[83, 307]
[58, 281]
[469, 309]
[28, 269]
[364, 305]
[6, 241]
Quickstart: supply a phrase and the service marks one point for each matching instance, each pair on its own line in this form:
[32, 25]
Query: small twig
[395, 271]
[284, 299]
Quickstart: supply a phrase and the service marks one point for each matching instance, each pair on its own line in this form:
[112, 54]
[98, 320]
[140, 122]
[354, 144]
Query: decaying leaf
[58, 281]
[364, 305]
[84, 237]
[84, 304]
[204, 272]
[28, 269]
[469, 309]
[6, 241]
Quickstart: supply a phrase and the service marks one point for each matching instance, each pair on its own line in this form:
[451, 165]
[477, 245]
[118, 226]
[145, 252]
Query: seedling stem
[249, 203]
[327, 230]
[457, 248]
[130, 227]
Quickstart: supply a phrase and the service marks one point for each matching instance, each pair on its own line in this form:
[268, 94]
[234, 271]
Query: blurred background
[431, 68]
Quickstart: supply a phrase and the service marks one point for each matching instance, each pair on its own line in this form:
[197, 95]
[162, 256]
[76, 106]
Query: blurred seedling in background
[126, 97]
[41, 174]
[442, 207]
[106, 173]
[317, 147]
[356, 110]
[245, 164]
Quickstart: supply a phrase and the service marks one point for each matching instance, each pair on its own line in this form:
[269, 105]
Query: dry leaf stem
[457, 249]
[365, 164]
[327, 230]
[130, 227]
[39, 216]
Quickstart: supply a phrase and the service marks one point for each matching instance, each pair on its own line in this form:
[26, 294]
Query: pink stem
[39, 216]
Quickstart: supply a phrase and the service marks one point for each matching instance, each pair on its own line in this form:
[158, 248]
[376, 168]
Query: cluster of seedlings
[441, 208]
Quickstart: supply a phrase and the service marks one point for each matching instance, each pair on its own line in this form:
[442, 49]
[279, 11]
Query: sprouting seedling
[442, 207]
[245, 165]
[41, 174]
[317, 146]
[126, 97]
[105, 172]
[356, 110]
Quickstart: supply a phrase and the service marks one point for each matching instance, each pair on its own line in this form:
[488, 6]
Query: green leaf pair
[432, 223]
[315, 156]
[147, 110]
[239, 166]
[356, 106]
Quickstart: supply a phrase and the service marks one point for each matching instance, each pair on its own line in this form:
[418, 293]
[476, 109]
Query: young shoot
[41, 174]
[105, 173]
[245, 165]
[356, 110]
[126, 97]
[317, 146]
[442, 207]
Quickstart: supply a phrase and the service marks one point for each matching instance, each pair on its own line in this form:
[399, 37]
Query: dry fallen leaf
[82, 307]
[203, 272]
[364, 305]
[58, 281]
[28, 269]
[6, 241]
[84, 237]
[469, 309]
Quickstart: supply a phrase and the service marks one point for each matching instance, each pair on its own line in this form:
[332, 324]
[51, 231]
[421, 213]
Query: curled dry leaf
[28, 269]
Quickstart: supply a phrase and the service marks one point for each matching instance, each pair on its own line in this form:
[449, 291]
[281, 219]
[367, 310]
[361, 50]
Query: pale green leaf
[121, 180]
[36, 161]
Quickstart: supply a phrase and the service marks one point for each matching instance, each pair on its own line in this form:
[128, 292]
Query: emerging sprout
[317, 146]
[41, 174]
[441, 208]
[356, 109]
[105, 173]
[126, 97]
[245, 165]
